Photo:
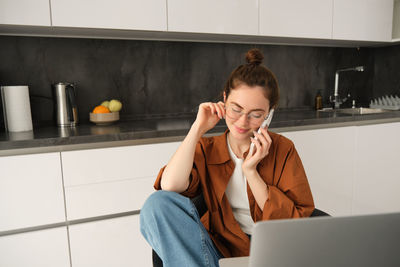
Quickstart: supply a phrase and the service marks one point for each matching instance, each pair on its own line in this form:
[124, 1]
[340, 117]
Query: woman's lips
[241, 130]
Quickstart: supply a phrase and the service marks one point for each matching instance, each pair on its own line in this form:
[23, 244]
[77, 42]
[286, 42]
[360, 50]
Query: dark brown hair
[253, 73]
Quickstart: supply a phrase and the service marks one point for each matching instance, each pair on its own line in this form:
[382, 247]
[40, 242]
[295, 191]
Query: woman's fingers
[216, 108]
[264, 141]
[221, 108]
[257, 145]
[266, 136]
[212, 108]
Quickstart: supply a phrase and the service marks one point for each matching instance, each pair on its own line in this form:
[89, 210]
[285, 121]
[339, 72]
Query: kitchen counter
[156, 130]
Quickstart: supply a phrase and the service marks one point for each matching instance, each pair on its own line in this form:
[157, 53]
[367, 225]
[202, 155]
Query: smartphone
[265, 123]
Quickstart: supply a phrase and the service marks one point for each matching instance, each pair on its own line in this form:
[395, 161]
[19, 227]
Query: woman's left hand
[262, 145]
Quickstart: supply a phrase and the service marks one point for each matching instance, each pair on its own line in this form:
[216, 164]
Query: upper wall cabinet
[25, 12]
[209, 16]
[107, 14]
[364, 20]
[293, 18]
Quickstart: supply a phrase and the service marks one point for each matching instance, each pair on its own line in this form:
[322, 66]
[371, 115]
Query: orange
[101, 109]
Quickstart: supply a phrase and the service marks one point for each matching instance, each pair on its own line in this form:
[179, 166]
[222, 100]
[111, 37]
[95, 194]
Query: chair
[317, 212]
[201, 207]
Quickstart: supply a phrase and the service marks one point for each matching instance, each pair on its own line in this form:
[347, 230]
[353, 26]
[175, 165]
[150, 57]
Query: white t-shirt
[236, 192]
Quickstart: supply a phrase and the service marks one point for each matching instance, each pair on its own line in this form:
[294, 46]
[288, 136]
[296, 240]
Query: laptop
[366, 240]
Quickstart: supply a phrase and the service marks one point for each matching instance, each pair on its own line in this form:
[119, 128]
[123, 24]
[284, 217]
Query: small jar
[318, 101]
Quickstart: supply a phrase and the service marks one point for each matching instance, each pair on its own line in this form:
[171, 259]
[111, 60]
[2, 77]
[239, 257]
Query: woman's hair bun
[254, 56]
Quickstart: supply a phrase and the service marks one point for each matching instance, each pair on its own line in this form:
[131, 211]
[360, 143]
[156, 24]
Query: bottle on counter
[318, 100]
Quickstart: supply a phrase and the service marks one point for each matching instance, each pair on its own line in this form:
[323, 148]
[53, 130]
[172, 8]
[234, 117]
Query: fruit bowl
[104, 118]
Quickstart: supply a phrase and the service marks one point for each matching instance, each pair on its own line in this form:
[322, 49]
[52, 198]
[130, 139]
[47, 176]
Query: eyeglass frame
[248, 115]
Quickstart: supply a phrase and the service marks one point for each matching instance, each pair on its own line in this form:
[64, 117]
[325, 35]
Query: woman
[239, 189]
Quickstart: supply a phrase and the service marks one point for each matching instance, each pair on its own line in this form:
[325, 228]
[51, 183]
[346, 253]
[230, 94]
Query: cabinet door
[377, 179]
[111, 180]
[208, 16]
[31, 191]
[328, 159]
[113, 242]
[45, 248]
[366, 20]
[25, 12]
[115, 14]
[293, 18]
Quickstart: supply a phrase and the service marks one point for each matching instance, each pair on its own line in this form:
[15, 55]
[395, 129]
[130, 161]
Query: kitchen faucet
[336, 98]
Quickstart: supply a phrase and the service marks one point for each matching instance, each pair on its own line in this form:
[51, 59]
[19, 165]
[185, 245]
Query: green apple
[106, 104]
[115, 105]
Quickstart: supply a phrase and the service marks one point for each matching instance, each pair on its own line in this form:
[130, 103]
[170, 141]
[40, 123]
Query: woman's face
[246, 109]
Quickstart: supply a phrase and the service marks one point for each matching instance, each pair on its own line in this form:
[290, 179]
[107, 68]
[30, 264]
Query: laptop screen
[367, 240]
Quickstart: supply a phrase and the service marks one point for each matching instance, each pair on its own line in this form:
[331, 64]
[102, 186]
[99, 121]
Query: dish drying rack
[386, 102]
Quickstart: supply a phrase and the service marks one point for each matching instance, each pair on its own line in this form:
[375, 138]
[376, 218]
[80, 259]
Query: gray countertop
[156, 130]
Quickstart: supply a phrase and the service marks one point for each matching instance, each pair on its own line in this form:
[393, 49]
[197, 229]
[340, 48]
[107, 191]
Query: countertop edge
[155, 140]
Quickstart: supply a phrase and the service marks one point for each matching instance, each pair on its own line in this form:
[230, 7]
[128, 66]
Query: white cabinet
[107, 198]
[31, 191]
[293, 18]
[366, 20]
[111, 180]
[328, 159]
[352, 170]
[115, 14]
[45, 248]
[113, 242]
[208, 16]
[377, 176]
[25, 12]
[115, 164]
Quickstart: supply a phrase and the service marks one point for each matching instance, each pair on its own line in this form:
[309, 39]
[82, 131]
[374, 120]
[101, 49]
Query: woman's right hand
[209, 115]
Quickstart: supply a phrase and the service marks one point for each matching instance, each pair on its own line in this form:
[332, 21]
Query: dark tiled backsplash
[161, 78]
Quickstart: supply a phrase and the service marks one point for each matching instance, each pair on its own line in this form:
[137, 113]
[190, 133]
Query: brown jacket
[289, 194]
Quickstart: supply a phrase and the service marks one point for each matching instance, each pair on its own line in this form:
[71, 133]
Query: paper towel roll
[16, 108]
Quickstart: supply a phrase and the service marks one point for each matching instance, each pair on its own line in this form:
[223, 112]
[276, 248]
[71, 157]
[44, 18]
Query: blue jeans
[171, 225]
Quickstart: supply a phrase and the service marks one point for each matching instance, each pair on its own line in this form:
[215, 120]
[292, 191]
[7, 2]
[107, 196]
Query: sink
[357, 111]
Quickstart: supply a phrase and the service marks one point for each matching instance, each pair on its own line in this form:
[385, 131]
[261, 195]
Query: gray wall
[152, 78]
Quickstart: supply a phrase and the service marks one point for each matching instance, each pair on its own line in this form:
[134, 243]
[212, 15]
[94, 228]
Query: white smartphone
[265, 123]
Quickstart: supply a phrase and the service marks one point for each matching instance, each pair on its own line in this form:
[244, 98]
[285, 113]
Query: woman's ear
[224, 97]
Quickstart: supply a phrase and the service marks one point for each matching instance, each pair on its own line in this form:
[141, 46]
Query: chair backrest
[317, 213]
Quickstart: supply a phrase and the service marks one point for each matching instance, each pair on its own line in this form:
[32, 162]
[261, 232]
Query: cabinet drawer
[31, 191]
[115, 164]
[107, 198]
[113, 242]
[35, 249]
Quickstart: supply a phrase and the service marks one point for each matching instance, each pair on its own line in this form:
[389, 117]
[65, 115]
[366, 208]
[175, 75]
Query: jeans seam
[202, 237]
[204, 247]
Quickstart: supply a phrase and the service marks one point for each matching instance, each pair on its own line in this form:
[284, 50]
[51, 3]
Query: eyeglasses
[235, 113]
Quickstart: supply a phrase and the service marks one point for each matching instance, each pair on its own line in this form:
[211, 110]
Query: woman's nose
[244, 119]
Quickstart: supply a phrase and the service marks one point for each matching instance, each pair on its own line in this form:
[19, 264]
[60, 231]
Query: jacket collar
[219, 153]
